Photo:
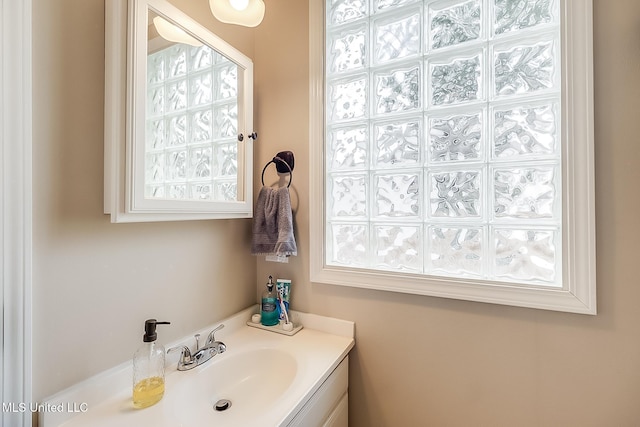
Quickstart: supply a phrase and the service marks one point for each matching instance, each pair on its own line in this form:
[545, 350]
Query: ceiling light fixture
[248, 13]
[239, 5]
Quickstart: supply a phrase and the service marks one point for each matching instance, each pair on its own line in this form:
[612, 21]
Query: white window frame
[578, 292]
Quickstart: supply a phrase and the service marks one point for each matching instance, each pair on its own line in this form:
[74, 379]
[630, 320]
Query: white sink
[267, 377]
[244, 376]
[252, 381]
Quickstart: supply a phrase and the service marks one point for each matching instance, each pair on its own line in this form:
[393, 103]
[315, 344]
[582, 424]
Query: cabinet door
[322, 405]
[340, 415]
[178, 112]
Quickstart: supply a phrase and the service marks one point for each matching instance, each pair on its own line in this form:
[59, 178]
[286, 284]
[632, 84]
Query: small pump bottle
[148, 368]
[268, 311]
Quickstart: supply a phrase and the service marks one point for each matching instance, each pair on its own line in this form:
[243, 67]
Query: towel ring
[275, 160]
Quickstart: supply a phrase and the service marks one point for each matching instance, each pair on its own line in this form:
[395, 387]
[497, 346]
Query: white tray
[277, 328]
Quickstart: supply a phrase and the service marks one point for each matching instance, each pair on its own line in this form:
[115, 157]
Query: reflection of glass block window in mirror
[192, 124]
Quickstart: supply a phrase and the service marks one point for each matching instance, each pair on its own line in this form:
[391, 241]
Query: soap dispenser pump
[148, 368]
[269, 313]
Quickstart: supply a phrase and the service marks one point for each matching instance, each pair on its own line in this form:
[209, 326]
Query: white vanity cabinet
[328, 407]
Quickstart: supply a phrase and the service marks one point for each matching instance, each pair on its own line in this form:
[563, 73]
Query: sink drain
[222, 405]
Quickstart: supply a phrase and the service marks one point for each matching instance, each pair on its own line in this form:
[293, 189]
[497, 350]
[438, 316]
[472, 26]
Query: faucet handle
[185, 353]
[211, 338]
[186, 361]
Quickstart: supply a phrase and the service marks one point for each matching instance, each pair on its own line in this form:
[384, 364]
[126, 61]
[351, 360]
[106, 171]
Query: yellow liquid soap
[148, 392]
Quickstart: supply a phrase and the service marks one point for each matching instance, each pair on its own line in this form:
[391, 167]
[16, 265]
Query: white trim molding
[16, 209]
[578, 291]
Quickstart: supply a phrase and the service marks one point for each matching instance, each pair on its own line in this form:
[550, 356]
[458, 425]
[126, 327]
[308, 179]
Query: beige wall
[418, 360]
[427, 361]
[94, 283]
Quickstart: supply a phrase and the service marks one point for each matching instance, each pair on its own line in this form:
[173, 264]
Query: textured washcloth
[273, 224]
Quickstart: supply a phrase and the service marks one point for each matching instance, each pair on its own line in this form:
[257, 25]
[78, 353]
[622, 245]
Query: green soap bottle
[268, 311]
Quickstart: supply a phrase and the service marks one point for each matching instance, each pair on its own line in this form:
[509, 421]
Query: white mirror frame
[125, 68]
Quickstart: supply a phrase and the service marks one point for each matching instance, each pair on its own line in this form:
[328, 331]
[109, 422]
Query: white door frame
[15, 210]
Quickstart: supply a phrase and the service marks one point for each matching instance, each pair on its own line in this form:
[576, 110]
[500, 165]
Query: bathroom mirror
[178, 112]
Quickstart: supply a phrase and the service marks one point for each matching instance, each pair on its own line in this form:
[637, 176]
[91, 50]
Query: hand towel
[273, 224]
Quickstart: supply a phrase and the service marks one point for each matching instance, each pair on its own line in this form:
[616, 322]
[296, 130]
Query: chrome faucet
[190, 360]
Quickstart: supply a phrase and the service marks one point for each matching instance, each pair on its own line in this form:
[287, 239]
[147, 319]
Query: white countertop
[105, 400]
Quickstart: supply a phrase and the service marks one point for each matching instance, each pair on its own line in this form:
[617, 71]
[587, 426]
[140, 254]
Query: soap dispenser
[268, 312]
[148, 368]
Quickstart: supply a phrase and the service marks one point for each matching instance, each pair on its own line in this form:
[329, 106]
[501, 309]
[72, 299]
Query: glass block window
[443, 138]
[192, 124]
